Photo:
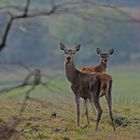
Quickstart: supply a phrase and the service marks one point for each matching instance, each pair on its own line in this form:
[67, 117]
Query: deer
[101, 67]
[87, 85]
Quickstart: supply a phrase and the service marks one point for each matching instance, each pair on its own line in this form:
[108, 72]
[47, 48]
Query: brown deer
[86, 85]
[101, 67]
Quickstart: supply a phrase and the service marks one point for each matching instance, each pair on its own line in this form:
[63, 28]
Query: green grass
[37, 123]
[126, 84]
[125, 87]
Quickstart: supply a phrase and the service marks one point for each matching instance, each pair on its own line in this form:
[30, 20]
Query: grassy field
[125, 85]
[37, 122]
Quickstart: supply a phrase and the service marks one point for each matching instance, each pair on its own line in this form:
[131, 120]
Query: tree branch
[65, 8]
[24, 15]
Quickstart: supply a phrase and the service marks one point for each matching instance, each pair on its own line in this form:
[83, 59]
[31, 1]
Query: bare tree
[61, 8]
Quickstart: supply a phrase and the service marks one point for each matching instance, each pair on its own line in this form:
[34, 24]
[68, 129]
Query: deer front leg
[77, 99]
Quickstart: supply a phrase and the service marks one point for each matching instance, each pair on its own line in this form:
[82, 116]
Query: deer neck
[70, 70]
[101, 66]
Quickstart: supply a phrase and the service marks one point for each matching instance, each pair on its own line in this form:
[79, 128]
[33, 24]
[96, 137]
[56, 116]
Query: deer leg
[77, 99]
[109, 101]
[86, 111]
[85, 105]
[84, 108]
[99, 110]
[92, 105]
[94, 110]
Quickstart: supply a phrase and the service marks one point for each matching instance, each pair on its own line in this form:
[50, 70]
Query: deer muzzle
[68, 58]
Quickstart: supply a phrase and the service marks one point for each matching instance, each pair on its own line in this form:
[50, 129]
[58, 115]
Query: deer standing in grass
[101, 67]
[86, 85]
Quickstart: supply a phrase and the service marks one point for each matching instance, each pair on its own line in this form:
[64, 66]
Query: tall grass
[126, 86]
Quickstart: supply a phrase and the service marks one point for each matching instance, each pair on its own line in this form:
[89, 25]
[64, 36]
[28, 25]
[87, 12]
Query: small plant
[127, 110]
[82, 129]
[65, 138]
[2, 123]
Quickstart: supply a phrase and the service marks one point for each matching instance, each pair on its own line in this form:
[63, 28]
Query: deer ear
[77, 48]
[62, 46]
[111, 51]
[98, 51]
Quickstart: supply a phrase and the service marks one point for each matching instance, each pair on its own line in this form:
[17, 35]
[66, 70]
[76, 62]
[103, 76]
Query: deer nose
[105, 60]
[68, 58]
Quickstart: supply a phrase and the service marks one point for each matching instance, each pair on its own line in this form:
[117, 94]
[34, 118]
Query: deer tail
[106, 86]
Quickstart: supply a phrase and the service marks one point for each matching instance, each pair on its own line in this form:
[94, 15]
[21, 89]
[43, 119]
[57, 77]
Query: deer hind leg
[104, 87]
[84, 108]
[86, 111]
[93, 107]
[109, 101]
[77, 99]
[85, 105]
[99, 110]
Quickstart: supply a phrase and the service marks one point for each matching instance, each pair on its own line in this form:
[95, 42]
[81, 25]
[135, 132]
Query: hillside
[36, 41]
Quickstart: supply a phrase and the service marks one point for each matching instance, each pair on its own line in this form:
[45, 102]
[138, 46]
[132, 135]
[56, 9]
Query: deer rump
[88, 85]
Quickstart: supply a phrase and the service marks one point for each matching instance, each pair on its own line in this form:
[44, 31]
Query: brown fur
[101, 67]
[81, 82]
[106, 79]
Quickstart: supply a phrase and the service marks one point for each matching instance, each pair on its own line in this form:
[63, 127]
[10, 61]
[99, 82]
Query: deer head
[104, 55]
[69, 53]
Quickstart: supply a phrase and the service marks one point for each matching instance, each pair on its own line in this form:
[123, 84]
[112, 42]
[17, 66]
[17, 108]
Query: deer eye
[102, 55]
[66, 52]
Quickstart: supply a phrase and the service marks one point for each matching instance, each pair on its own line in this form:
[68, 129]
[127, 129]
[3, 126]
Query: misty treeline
[38, 26]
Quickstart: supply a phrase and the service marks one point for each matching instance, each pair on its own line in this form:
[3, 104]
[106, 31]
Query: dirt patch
[124, 121]
[135, 121]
